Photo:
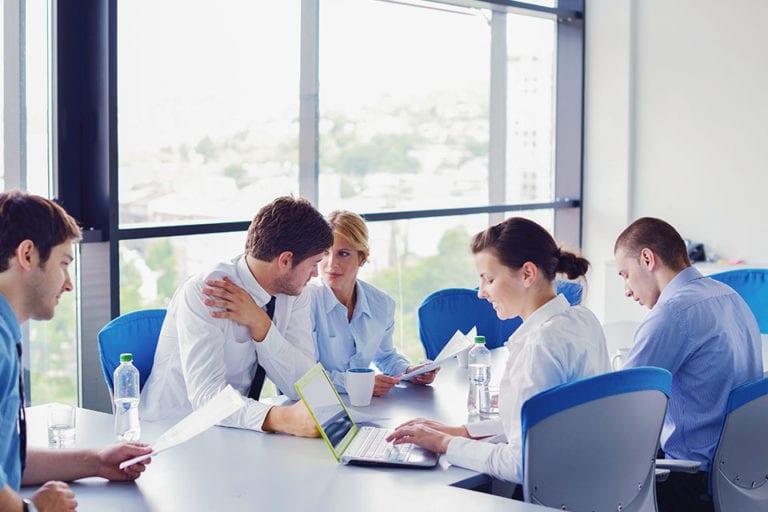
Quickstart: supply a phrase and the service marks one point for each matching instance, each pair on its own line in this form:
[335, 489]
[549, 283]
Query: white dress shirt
[198, 355]
[558, 343]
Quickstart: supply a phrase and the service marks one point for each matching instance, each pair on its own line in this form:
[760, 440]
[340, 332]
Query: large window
[151, 269]
[530, 109]
[411, 258]
[432, 118]
[208, 108]
[52, 346]
[403, 117]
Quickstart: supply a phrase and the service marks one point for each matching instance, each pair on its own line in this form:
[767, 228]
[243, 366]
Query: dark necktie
[258, 379]
[22, 425]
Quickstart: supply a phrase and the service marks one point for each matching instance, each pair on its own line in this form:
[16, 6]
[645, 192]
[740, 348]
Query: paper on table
[224, 404]
[458, 343]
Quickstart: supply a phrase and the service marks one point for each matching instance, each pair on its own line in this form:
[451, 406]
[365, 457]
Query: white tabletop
[231, 469]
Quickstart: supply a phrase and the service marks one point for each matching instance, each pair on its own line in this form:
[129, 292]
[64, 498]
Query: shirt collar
[683, 277]
[250, 283]
[546, 311]
[362, 307]
[9, 318]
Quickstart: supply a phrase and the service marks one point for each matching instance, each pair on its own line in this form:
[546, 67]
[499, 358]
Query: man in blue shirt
[703, 333]
[36, 249]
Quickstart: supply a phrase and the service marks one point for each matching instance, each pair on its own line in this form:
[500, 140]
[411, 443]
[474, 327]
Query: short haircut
[29, 217]
[288, 224]
[518, 240]
[352, 228]
[658, 236]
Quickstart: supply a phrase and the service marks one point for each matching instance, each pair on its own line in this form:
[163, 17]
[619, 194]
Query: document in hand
[226, 403]
[459, 342]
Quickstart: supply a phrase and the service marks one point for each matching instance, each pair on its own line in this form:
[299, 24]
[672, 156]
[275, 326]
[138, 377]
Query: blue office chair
[752, 285]
[590, 444]
[444, 312]
[738, 478]
[136, 333]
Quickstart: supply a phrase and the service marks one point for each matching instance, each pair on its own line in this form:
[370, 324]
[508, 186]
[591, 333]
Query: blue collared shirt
[706, 336]
[10, 335]
[341, 344]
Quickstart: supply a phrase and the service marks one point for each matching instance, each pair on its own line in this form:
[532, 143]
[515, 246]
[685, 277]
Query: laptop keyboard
[370, 443]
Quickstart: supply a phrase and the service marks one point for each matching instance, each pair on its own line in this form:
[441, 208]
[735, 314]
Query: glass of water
[489, 404]
[61, 425]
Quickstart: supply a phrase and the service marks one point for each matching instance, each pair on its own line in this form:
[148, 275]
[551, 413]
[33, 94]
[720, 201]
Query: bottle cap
[126, 357]
[480, 339]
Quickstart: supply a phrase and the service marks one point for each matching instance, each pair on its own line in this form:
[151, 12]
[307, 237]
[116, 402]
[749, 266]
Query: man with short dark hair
[204, 345]
[36, 238]
[703, 333]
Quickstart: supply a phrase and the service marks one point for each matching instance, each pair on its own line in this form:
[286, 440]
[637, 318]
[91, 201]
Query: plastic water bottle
[126, 381]
[479, 375]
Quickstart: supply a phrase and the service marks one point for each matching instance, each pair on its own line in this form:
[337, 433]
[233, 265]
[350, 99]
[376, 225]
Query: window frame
[86, 163]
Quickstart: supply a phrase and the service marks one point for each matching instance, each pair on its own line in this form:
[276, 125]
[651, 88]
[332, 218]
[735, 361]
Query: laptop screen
[329, 413]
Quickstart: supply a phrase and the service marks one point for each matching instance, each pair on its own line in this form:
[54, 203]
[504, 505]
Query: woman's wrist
[444, 442]
[460, 431]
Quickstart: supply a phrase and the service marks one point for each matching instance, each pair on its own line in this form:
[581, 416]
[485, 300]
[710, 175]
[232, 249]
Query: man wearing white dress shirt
[206, 342]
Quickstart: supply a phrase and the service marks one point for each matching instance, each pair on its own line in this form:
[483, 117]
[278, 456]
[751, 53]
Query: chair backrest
[752, 285]
[591, 444]
[739, 473]
[135, 332]
[444, 312]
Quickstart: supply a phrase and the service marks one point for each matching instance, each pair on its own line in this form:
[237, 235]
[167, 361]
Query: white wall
[676, 125]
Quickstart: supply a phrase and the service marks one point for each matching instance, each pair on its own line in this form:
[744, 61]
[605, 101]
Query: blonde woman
[353, 320]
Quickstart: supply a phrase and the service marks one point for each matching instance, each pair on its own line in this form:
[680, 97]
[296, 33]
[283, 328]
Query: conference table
[234, 469]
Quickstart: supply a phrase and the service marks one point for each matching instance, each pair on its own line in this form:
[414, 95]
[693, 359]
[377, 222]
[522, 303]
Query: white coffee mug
[619, 358]
[359, 383]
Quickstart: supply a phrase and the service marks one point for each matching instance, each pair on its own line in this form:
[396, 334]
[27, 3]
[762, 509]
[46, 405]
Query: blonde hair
[352, 227]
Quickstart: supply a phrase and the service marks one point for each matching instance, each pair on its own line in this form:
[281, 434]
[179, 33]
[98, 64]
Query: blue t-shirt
[10, 335]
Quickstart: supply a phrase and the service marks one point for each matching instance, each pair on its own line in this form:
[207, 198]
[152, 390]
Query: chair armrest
[662, 475]
[678, 465]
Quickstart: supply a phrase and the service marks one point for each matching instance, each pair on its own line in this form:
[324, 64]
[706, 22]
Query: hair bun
[570, 264]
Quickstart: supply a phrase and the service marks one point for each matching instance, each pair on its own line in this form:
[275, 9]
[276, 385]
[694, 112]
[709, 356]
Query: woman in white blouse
[517, 261]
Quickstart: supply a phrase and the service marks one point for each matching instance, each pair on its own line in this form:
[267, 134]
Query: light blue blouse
[341, 344]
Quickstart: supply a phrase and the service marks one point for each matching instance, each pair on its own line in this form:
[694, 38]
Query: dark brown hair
[288, 224]
[29, 217]
[658, 236]
[517, 240]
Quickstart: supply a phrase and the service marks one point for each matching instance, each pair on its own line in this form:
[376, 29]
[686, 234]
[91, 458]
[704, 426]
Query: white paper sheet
[226, 403]
[458, 343]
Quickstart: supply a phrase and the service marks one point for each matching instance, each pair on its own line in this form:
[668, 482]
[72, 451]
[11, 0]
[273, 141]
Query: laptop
[348, 442]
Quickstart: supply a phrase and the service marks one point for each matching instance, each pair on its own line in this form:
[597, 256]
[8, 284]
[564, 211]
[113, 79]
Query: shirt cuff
[259, 420]
[270, 345]
[485, 428]
[250, 417]
[469, 453]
